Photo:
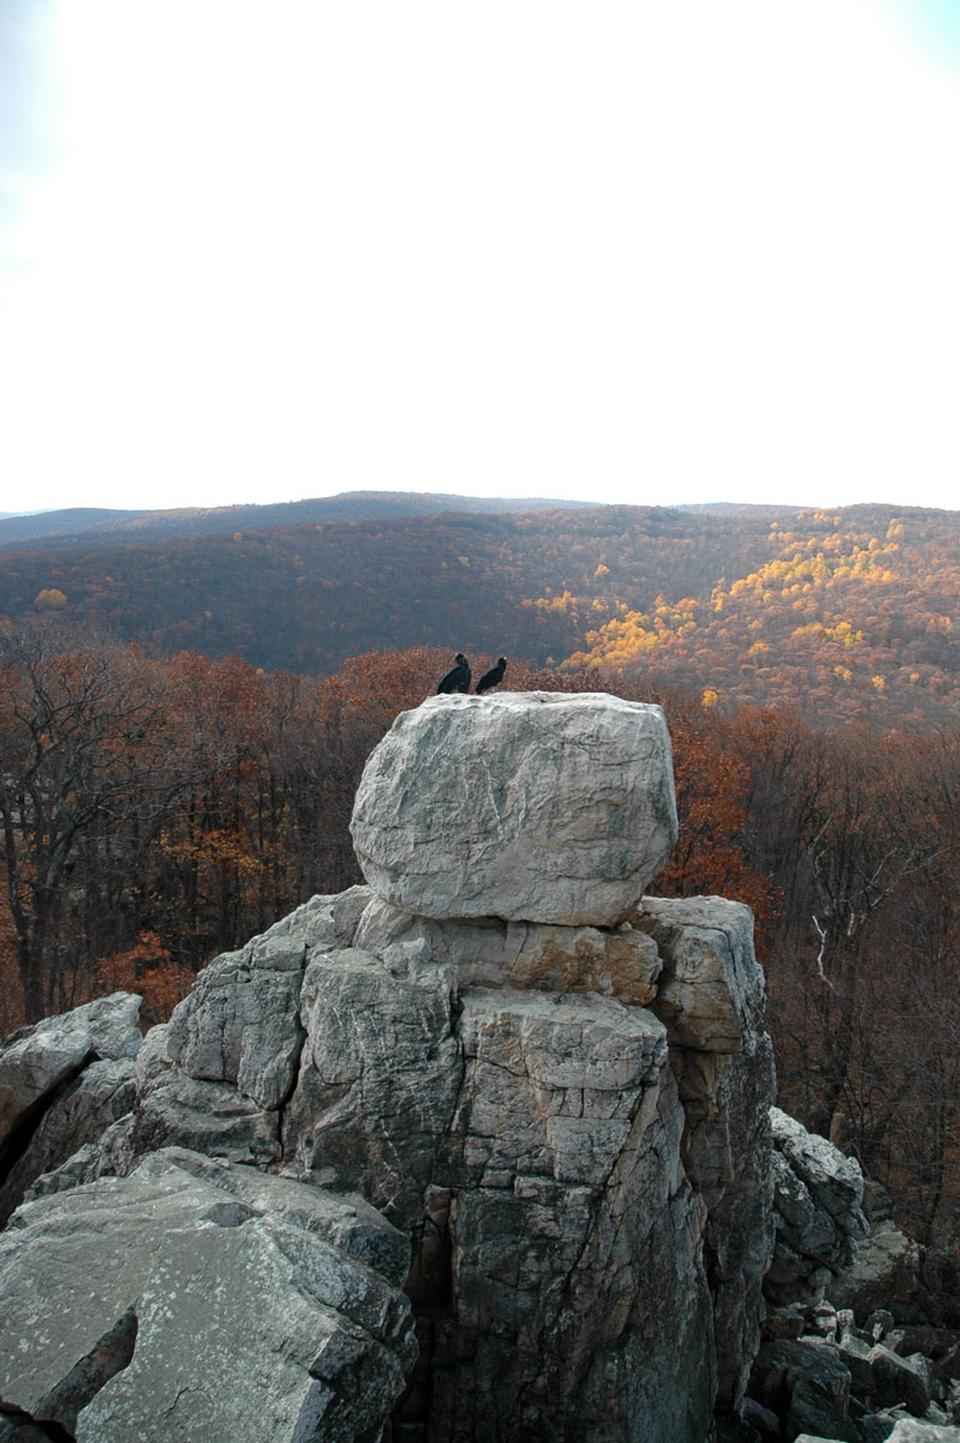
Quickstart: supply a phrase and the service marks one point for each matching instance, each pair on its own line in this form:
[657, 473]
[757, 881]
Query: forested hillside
[851, 615]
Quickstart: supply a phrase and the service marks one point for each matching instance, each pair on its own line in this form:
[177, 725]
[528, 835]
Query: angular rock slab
[726, 1154]
[532, 806]
[80, 1114]
[35, 1061]
[240, 1023]
[816, 1196]
[711, 991]
[165, 1305]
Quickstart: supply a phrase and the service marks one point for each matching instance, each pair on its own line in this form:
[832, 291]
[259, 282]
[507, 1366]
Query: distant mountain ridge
[98, 524]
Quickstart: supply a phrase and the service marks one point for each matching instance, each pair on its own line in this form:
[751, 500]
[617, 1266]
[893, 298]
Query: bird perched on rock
[493, 677]
[457, 678]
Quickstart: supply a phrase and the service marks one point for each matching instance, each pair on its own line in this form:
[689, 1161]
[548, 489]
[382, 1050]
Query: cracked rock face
[615, 962]
[533, 806]
[201, 1301]
[530, 1142]
[35, 1061]
[817, 1197]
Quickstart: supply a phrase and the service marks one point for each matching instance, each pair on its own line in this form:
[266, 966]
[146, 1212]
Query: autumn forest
[184, 718]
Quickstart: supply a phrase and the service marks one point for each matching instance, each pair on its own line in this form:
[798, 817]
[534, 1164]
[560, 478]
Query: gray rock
[835, 1182]
[81, 1111]
[168, 1305]
[806, 1383]
[726, 1155]
[912, 1430]
[710, 993]
[900, 1381]
[816, 1198]
[486, 952]
[535, 806]
[531, 1143]
[856, 1356]
[110, 1155]
[209, 1117]
[344, 1219]
[240, 1023]
[35, 1061]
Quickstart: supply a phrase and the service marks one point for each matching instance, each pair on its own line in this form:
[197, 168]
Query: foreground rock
[534, 806]
[585, 1185]
[205, 1302]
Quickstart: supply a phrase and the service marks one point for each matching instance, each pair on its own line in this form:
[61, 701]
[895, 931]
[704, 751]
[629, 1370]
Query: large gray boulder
[239, 1023]
[884, 1273]
[204, 1302]
[533, 806]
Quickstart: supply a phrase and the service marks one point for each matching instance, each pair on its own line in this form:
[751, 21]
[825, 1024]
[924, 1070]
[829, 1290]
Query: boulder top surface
[536, 806]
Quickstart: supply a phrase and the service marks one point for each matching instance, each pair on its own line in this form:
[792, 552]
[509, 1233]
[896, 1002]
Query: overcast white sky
[632, 251]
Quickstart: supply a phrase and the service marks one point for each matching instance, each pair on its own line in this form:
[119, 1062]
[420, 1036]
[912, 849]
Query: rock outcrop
[555, 1093]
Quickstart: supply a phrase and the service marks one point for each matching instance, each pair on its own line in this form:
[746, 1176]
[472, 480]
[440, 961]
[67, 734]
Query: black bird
[457, 678]
[493, 677]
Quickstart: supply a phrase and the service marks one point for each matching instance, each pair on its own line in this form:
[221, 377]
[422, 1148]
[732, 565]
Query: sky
[635, 252]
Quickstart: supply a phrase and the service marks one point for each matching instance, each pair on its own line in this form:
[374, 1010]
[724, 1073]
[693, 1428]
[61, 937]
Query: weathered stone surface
[817, 1194]
[805, 1382]
[540, 807]
[726, 1155]
[176, 1303]
[379, 1078]
[710, 993]
[80, 1113]
[486, 952]
[35, 1061]
[110, 1155]
[345, 1219]
[240, 1022]
[531, 1141]
[209, 1117]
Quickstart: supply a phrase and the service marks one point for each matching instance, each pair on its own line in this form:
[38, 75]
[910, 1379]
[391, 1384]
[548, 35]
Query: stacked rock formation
[553, 1090]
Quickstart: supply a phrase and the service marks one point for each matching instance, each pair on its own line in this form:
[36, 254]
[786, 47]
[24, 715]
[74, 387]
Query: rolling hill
[850, 614]
[97, 525]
